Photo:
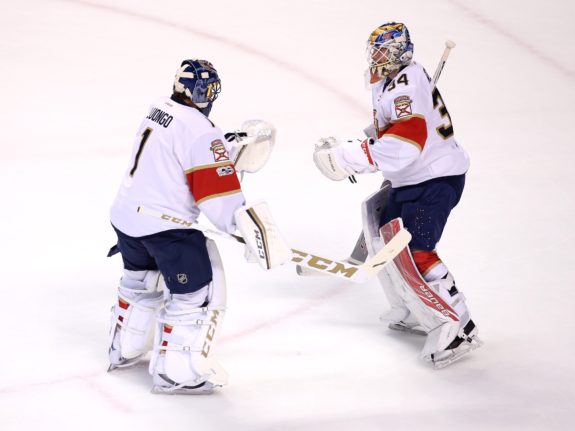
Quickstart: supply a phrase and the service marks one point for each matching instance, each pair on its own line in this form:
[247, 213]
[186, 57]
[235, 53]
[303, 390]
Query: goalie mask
[198, 80]
[389, 48]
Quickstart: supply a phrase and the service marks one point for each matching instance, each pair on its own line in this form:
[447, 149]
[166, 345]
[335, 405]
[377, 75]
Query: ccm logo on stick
[323, 264]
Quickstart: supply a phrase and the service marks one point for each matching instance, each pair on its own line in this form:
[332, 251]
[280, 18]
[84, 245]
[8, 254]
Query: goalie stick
[449, 45]
[347, 271]
[359, 252]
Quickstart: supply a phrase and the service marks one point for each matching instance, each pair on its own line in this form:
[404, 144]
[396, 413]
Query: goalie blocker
[262, 236]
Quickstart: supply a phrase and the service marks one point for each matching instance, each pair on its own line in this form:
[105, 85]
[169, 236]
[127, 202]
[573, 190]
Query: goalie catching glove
[250, 148]
[337, 160]
[261, 235]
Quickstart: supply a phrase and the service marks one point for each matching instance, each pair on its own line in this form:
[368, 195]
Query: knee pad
[187, 330]
[132, 317]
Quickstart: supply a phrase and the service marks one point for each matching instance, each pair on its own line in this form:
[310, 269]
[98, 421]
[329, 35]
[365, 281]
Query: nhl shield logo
[182, 278]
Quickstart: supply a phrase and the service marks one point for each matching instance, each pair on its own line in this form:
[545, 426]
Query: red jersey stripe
[210, 181]
[381, 131]
[412, 129]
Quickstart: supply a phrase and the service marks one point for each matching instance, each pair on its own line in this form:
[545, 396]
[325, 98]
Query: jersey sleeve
[212, 179]
[403, 138]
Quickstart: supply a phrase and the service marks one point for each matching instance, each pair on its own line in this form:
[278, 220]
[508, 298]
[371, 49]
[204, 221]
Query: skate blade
[206, 389]
[125, 363]
[124, 366]
[403, 328]
[469, 347]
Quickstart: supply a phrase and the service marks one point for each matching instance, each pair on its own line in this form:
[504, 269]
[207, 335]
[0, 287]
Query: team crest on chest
[402, 106]
[219, 150]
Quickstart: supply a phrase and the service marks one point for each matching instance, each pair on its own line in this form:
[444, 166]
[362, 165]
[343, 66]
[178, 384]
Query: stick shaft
[345, 270]
[449, 45]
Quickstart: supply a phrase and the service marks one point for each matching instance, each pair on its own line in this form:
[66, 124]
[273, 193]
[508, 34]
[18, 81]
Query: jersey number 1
[145, 137]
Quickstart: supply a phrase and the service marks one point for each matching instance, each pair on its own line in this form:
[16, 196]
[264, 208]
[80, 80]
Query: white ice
[76, 77]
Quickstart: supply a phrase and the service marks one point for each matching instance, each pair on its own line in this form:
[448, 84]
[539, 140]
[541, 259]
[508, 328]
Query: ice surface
[76, 78]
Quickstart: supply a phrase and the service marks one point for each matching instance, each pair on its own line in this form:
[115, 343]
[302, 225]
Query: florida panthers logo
[219, 150]
[402, 106]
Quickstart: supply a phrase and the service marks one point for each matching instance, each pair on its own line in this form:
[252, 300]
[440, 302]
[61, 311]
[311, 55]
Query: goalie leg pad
[132, 317]
[438, 307]
[398, 317]
[262, 236]
[187, 330]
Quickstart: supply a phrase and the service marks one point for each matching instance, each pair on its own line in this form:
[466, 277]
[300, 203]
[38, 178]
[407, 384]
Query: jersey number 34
[445, 130]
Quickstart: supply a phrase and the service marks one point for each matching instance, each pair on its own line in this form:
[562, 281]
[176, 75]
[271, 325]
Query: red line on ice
[482, 19]
[348, 100]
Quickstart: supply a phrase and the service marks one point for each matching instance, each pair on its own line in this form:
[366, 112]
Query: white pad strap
[262, 236]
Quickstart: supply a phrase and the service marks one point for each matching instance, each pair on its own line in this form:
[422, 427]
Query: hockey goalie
[411, 141]
[172, 296]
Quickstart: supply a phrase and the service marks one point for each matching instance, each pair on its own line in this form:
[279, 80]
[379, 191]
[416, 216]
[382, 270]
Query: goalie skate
[461, 346]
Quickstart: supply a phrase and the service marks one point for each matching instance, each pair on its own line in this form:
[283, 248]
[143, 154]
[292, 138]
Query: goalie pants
[180, 255]
[424, 208]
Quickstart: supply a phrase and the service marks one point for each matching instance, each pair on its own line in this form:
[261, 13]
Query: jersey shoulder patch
[402, 106]
[219, 151]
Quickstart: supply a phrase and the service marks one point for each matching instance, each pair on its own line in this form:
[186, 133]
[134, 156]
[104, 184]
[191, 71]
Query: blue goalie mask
[198, 80]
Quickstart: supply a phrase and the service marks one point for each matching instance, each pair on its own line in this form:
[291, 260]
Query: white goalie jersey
[179, 165]
[414, 139]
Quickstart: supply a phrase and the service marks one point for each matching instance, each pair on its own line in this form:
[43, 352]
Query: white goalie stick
[449, 45]
[359, 252]
[345, 270]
